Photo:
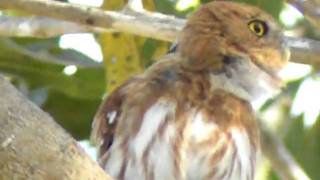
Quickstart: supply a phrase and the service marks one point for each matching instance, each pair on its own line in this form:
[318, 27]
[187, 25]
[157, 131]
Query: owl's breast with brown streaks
[219, 132]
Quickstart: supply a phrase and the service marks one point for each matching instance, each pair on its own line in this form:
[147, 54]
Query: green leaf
[87, 83]
[74, 114]
[273, 7]
[304, 144]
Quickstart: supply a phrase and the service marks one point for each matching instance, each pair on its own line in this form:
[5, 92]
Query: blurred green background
[67, 76]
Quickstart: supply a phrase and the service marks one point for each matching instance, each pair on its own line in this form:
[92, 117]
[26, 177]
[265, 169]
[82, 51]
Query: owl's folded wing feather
[106, 119]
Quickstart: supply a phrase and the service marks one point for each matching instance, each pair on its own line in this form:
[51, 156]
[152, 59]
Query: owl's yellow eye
[258, 27]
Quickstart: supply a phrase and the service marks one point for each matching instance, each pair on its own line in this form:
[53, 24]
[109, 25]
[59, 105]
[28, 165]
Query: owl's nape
[188, 116]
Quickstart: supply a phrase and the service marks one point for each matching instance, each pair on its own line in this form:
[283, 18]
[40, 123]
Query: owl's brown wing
[106, 119]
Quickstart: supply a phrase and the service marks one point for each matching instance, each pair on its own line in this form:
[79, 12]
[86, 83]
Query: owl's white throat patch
[246, 80]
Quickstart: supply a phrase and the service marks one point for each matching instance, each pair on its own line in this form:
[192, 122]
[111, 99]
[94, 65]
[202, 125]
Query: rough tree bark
[33, 146]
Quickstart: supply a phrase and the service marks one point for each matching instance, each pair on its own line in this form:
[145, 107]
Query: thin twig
[147, 24]
[310, 9]
[40, 27]
[45, 56]
[281, 160]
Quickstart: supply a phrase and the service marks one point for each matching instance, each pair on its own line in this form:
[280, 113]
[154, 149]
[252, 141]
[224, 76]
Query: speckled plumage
[189, 115]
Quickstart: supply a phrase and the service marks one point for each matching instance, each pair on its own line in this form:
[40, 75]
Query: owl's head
[233, 38]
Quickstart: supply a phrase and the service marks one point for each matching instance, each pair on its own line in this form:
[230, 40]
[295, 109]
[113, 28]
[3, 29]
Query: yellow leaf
[123, 52]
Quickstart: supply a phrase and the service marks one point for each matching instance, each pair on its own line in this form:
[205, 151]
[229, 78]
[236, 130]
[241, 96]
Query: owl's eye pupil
[258, 27]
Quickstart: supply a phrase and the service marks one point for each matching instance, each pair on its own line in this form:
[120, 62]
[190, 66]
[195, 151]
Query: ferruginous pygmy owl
[189, 115]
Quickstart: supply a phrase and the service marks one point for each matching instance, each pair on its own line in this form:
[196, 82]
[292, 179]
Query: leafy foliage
[305, 145]
[71, 100]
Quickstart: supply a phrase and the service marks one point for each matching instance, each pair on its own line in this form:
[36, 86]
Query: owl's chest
[187, 146]
[213, 152]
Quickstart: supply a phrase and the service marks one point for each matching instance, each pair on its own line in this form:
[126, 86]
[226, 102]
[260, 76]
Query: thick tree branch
[147, 24]
[33, 146]
[304, 51]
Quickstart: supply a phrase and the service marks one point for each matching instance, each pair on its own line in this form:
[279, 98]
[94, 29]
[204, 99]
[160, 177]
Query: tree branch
[281, 160]
[40, 27]
[33, 146]
[304, 51]
[147, 24]
[45, 56]
[310, 9]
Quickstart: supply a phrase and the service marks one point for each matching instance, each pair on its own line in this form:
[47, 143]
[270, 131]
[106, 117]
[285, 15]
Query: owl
[189, 115]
